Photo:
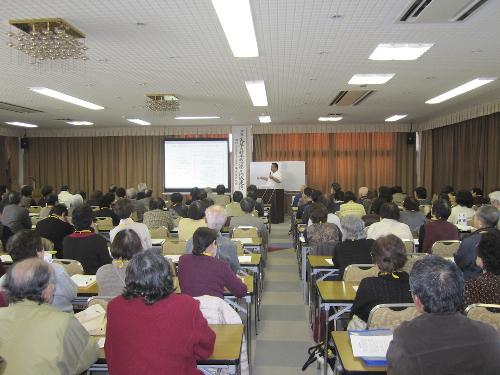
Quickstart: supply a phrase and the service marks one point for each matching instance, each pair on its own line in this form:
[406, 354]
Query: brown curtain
[426, 161]
[352, 159]
[9, 162]
[466, 155]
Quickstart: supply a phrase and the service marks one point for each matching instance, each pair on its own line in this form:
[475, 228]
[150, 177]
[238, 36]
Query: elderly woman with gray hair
[355, 248]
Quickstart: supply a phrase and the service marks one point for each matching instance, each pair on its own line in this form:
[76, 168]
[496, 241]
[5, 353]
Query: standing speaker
[25, 143]
[410, 138]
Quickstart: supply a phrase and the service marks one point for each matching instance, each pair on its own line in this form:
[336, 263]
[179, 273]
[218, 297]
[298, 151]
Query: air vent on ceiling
[17, 108]
[438, 11]
[352, 97]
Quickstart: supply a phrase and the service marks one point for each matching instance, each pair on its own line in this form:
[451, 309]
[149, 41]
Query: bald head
[30, 279]
[363, 191]
[216, 217]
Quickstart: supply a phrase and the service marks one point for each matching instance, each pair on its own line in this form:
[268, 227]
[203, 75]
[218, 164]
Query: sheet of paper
[83, 280]
[355, 287]
[370, 346]
[329, 261]
[101, 342]
[173, 258]
[245, 258]
[244, 240]
[6, 258]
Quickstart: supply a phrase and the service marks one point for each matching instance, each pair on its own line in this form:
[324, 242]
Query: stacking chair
[104, 224]
[134, 216]
[411, 259]
[357, 272]
[73, 267]
[409, 246]
[391, 315]
[34, 209]
[35, 220]
[245, 232]
[445, 249]
[486, 313]
[160, 232]
[174, 247]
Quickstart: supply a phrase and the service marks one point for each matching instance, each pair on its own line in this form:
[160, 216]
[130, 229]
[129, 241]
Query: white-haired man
[495, 202]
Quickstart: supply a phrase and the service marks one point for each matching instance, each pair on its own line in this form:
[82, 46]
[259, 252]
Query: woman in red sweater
[438, 229]
[200, 273]
[152, 330]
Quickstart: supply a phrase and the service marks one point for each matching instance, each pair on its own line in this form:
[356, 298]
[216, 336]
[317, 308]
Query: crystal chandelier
[47, 39]
[162, 102]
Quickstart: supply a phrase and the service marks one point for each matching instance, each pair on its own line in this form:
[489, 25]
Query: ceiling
[309, 49]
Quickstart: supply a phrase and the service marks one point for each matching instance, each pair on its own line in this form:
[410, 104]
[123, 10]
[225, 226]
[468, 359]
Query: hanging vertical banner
[241, 156]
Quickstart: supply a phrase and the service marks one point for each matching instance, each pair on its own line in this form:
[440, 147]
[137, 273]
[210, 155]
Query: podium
[276, 198]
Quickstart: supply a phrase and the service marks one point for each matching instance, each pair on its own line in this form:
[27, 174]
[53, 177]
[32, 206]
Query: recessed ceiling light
[23, 124]
[400, 51]
[138, 121]
[235, 17]
[257, 92]
[80, 123]
[330, 118]
[64, 97]
[370, 79]
[197, 117]
[395, 118]
[265, 119]
[474, 84]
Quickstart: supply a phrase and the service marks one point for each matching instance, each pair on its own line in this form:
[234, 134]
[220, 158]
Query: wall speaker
[410, 138]
[25, 143]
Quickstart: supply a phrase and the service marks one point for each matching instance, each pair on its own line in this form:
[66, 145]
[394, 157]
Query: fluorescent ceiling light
[23, 124]
[235, 17]
[196, 117]
[395, 118]
[400, 51]
[257, 92]
[370, 79]
[265, 119]
[66, 98]
[330, 118]
[230, 141]
[138, 121]
[79, 123]
[474, 84]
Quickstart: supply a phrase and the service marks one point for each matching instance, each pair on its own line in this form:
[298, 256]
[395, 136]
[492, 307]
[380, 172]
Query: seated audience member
[50, 202]
[486, 287]
[485, 219]
[389, 224]
[123, 209]
[139, 207]
[14, 216]
[177, 210]
[26, 197]
[65, 197]
[111, 277]
[215, 217]
[350, 207]
[259, 205]
[495, 202]
[336, 197]
[247, 219]
[202, 273]
[95, 198]
[390, 286]
[462, 213]
[438, 229]
[36, 337]
[46, 191]
[156, 216]
[477, 197]
[449, 191]
[304, 202]
[169, 334]
[221, 198]
[56, 227]
[442, 340]
[355, 248]
[320, 231]
[385, 193]
[234, 208]
[420, 195]
[28, 244]
[84, 245]
[4, 197]
[411, 215]
[105, 210]
[112, 189]
[194, 195]
[296, 197]
[372, 207]
[362, 194]
[195, 220]
[120, 193]
[78, 201]
[398, 196]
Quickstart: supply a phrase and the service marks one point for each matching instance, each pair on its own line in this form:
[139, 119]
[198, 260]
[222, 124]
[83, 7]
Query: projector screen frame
[188, 189]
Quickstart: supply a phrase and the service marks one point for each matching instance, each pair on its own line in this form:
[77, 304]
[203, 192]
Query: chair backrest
[73, 267]
[445, 248]
[174, 247]
[411, 259]
[134, 216]
[245, 232]
[239, 247]
[47, 245]
[95, 208]
[100, 300]
[160, 232]
[409, 246]
[324, 249]
[486, 313]
[357, 272]
[104, 223]
[34, 209]
[391, 315]
[35, 220]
